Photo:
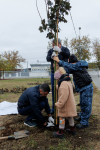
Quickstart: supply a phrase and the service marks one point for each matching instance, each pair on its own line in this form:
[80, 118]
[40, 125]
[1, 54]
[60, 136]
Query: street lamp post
[79, 31]
[80, 51]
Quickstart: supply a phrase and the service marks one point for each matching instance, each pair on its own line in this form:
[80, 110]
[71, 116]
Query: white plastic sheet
[8, 108]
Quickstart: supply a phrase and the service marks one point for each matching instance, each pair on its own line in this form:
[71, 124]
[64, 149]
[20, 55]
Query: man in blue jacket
[63, 54]
[32, 101]
[83, 85]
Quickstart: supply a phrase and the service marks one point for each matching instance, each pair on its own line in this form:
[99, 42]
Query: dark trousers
[28, 111]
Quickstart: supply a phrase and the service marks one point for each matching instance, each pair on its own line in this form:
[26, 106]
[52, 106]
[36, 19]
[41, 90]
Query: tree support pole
[55, 81]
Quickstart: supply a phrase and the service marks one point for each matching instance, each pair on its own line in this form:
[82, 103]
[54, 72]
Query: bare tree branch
[38, 10]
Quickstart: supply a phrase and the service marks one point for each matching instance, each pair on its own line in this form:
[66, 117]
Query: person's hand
[57, 49]
[53, 54]
[50, 124]
[50, 119]
[56, 59]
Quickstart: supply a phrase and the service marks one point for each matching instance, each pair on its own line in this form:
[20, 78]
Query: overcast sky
[19, 23]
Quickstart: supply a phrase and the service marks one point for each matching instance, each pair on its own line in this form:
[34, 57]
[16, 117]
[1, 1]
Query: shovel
[17, 135]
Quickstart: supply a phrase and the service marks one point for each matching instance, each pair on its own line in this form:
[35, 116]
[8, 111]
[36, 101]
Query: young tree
[96, 51]
[65, 42]
[56, 11]
[81, 47]
[11, 60]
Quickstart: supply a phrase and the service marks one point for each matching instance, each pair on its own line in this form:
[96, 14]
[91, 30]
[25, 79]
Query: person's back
[27, 96]
[81, 76]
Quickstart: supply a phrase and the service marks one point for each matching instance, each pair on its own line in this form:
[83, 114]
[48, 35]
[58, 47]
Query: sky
[19, 23]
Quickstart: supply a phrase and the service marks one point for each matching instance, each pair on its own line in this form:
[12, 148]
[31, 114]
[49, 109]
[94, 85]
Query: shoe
[58, 135]
[78, 104]
[77, 119]
[80, 126]
[71, 130]
[30, 123]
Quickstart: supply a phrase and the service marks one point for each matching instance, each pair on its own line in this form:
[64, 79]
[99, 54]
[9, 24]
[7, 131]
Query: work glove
[53, 54]
[57, 49]
[50, 119]
[50, 124]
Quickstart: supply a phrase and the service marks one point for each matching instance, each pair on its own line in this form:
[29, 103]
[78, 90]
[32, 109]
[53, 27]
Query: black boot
[59, 134]
[77, 119]
[80, 126]
[78, 104]
[71, 130]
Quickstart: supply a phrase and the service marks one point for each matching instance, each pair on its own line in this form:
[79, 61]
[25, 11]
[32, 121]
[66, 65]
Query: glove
[51, 120]
[50, 124]
[57, 49]
[53, 54]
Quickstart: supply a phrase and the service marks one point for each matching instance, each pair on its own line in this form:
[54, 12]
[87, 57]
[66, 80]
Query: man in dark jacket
[83, 85]
[32, 101]
[63, 54]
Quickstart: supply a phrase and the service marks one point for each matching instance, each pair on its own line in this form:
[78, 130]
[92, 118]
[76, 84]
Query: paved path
[96, 81]
[95, 74]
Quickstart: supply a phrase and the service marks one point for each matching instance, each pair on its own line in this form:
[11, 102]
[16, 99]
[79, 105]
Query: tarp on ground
[8, 108]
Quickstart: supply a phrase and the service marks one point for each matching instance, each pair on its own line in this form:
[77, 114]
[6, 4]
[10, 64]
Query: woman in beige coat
[66, 102]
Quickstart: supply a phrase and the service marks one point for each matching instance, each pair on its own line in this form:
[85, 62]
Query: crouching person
[31, 103]
[66, 103]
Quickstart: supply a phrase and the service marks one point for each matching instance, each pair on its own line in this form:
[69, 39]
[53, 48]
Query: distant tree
[96, 51]
[65, 42]
[2, 63]
[11, 60]
[49, 46]
[81, 47]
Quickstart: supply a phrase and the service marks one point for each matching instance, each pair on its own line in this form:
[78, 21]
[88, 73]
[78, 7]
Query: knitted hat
[73, 59]
[59, 73]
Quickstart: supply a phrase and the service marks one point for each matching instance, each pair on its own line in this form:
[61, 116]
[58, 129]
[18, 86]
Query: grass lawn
[40, 138]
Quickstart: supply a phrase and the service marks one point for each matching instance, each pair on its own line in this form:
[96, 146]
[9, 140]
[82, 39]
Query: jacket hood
[82, 63]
